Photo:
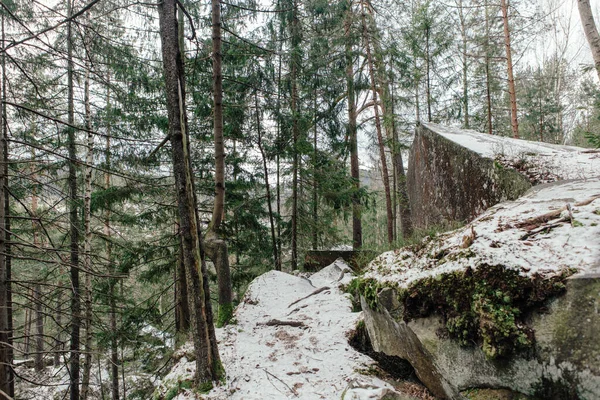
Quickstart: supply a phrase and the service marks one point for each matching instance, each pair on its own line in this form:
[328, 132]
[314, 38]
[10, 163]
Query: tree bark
[428, 72]
[509, 64]
[219, 204]
[404, 204]
[38, 363]
[5, 360]
[182, 308]
[295, 64]
[114, 345]
[488, 89]
[591, 31]
[215, 245]
[73, 222]
[87, 246]
[384, 169]
[465, 65]
[267, 186]
[352, 130]
[208, 364]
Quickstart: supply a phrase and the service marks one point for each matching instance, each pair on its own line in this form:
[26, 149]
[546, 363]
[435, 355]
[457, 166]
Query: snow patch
[536, 234]
[266, 359]
[540, 162]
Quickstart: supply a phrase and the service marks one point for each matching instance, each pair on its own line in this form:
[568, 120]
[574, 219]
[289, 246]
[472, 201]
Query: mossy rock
[487, 306]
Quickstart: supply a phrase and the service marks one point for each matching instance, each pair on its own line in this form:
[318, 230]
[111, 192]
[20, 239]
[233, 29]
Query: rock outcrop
[490, 304]
[456, 174]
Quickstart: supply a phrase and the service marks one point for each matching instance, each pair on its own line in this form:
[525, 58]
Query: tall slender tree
[208, 364]
[591, 31]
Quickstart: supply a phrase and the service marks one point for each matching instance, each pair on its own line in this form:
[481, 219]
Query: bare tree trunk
[87, 245]
[267, 186]
[6, 223]
[58, 344]
[511, 80]
[405, 212]
[591, 31]
[315, 199]
[38, 360]
[465, 65]
[428, 72]
[277, 160]
[219, 204]
[114, 345]
[295, 61]
[208, 364]
[5, 359]
[352, 130]
[217, 247]
[384, 169]
[27, 327]
[73, 222]
[488, 90]
[182, 309]
[37, 290]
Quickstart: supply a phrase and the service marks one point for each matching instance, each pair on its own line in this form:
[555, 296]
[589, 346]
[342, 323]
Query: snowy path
[312, 361]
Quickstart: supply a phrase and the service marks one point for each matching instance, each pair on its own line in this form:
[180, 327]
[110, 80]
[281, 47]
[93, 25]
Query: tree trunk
[384, 169]
[87, 246]
[428, 72]
[182, 309]
[58, 344]
[465, 65]
[352, 131]
[511, 80]
[73, 222]
[295, 61]
[38, 362]
[208, 364]
[267, 186]
[5, 359]
[114, 345]
[488, 89]
[277, 160]
[404, 204]
[219, 204]
[315, 198]
[591, 31]
[7, 248]
[215, 245]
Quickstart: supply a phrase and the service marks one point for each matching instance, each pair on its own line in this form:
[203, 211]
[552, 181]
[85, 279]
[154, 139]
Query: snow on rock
[541, 162]
[266, 359]
[551, 228]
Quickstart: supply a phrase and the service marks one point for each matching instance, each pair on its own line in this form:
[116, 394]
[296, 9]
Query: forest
[159, 156]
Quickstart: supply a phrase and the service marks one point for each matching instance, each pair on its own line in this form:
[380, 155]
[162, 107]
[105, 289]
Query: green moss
[369, 288]
[225, 314]
[204, 387]
[486, 306]
[175, 390]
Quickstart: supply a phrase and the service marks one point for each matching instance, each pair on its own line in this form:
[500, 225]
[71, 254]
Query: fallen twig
[319, 290]
[544, 228]
[277, 322]
[288, 386]
[532, 223]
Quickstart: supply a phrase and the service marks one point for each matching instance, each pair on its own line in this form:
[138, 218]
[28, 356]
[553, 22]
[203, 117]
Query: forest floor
[290, 341]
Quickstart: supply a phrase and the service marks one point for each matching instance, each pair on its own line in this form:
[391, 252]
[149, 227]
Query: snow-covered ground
[266, 359]
[549, 162]
[551, 228]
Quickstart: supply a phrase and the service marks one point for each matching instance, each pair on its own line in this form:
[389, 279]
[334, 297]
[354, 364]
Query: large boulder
[510, 301]
[455, 174]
